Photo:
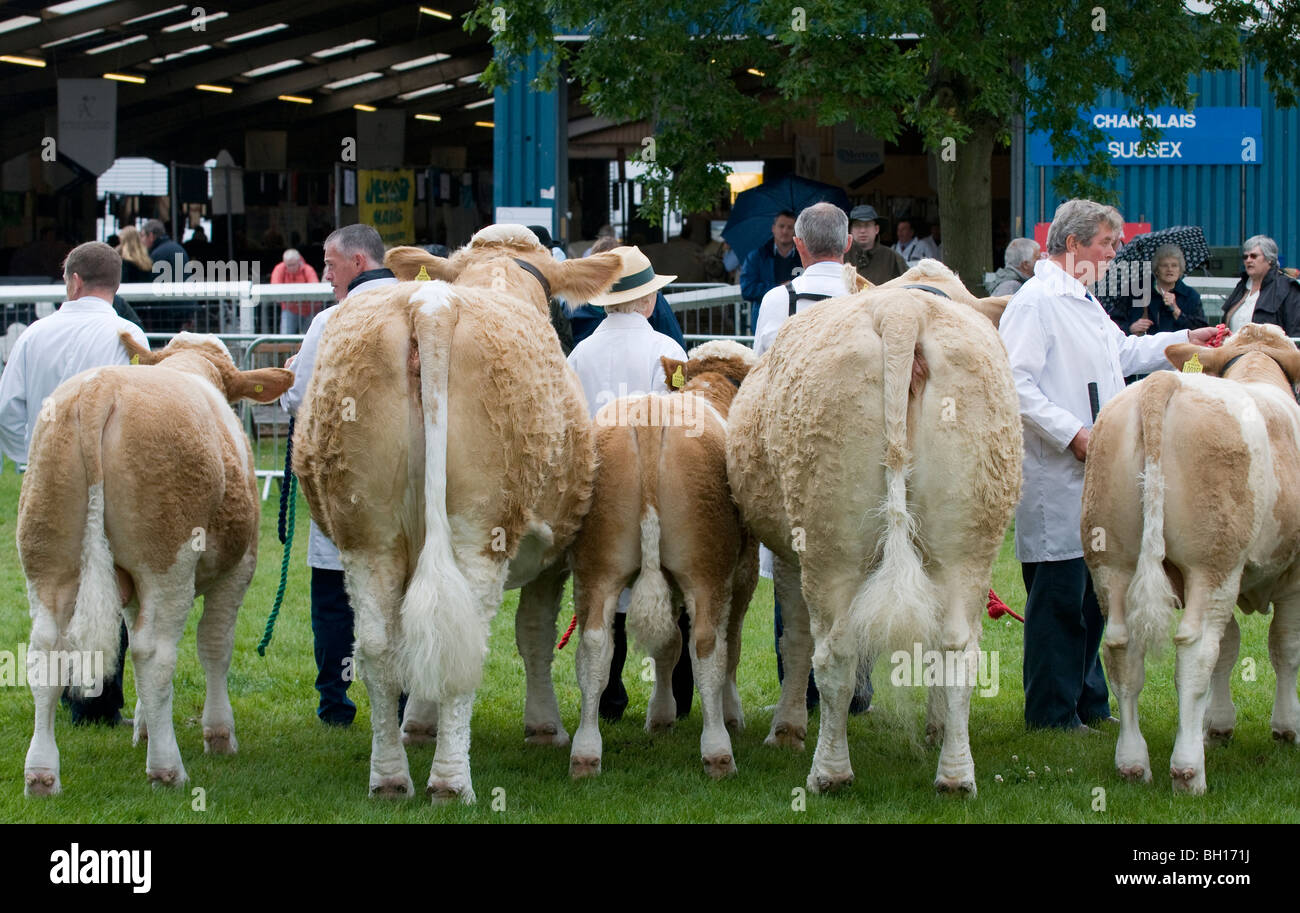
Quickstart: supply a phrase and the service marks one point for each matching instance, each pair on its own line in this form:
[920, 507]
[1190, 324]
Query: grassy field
[293, 769]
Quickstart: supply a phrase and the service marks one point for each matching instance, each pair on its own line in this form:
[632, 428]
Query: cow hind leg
[790, 720]
[742, 591]
[964, 604]
[539, 604]
[661, 712]
[709, 660]
[596, 603]
[836, 664]
[1284, 653]
[216, 644]
[1198, 653]
[1221, 718]
[41, 769]
[420, 724]
[375, 589]
[1125, 658]
[165, 602]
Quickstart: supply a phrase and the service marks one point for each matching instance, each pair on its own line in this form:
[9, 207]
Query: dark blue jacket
[758, 274]
[586, 318]
[1130, 309]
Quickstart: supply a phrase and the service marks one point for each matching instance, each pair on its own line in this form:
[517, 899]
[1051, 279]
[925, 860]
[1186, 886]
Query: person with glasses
[1265, 294]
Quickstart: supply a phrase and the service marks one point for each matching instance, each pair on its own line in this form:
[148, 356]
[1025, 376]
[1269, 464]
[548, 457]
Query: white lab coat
[1059, 339]
[621, 358]
[80, 335]
[321, 552]
[918, 249]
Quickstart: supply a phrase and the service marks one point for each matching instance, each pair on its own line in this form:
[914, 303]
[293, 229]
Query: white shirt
[1059, 339]
[1244, 314]
[826, 277]
[80, 335]
[321, 552]
[917, 249]
[621, 358]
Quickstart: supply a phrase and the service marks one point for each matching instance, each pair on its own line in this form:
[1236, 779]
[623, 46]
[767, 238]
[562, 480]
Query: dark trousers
[107, 707]
[613, 700]
[331, 629]
[1064, 683]
[862, 692]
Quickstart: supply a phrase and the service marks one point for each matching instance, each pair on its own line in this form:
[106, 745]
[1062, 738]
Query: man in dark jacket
[162, 249]
[770, 264]
[1265, 294]
[875, 262]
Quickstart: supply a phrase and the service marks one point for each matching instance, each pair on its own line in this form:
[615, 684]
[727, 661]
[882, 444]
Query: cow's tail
[1151, 605]
[650, 618]
[96, 619]
[897, 607]
[444, 630]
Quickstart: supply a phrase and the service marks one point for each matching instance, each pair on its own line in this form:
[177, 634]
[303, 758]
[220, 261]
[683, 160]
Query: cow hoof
[720, 766]
[1188, 780]
[39, 782]
[1284, 735]
[955, 786]
[581, 768]
[1135, 773]
[170, 777]
[1218, 736]
[546, 734]
[784, 735]
[219, 740]
[654, 726]
[392, 788]
[444, 792]
[419, 734]
[828, 783]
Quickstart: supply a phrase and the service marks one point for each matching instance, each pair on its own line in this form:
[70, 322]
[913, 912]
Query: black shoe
[859, 705]
[114, 720]
[342, 722]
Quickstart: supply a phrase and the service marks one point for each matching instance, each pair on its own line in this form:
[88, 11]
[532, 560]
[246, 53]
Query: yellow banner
[386, 200]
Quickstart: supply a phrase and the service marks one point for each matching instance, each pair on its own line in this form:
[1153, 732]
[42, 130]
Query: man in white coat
[354, 263]
[83, 333]
[1063, 346]
[621, 358]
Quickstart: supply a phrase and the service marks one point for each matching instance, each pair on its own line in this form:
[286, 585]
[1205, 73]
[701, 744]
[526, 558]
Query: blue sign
[1205, 136]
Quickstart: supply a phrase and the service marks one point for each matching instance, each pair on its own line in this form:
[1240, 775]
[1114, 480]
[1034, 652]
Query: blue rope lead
[288, 503]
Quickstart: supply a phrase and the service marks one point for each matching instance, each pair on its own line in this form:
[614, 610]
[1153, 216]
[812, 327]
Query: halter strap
[929, 288]
[536, 274]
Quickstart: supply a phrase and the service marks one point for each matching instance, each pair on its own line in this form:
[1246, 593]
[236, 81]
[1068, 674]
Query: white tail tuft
[1150, 606]
[96, 619]
[444, 631]
[650, 618]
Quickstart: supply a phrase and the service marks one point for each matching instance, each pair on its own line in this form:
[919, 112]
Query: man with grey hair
[1021, 255]
[1067, 359]
[1264, 294]
[295, 316]
[354, 263]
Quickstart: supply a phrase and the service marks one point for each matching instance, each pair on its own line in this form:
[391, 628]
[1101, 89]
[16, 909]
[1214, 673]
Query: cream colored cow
[1191, 499]
[445, 447]
[140, 494]
[662, 516]
[876, 449]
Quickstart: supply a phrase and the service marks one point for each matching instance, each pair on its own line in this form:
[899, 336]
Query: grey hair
[824, 230]
[1266, 245]
[630, 307]
[354, 239]
[1020, 250]
[1170, 252]
[1082, 219]
[153, 227]
[291, 254]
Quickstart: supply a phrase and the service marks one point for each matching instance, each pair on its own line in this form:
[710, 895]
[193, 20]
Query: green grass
[291, 768]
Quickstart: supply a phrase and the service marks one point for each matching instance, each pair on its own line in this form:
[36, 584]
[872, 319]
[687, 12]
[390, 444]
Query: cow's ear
[263, 385]
[674, 372]
[1211, 360]
[854, 281]
[140, 355]
[992, 308]
[1288, 359]
[406, 263]
[582, 278]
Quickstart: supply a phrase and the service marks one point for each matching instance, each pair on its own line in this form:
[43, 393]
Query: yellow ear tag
[135, 359]
[257, 388]
[1193, 365]
[422, 275]
[679, 379]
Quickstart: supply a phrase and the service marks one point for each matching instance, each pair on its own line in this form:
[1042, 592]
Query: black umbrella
[1139, 252]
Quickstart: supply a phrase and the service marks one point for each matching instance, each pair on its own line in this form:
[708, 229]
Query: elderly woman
[1265, 294]
[1169, 303]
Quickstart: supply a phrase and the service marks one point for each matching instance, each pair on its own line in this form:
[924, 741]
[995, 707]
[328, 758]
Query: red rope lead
[567, 634]
[998, 608]
[1220, 332]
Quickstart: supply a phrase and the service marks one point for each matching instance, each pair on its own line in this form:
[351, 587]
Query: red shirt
[304, 273]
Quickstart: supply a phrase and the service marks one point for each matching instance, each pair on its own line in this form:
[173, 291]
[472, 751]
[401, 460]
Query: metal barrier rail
[710, 310]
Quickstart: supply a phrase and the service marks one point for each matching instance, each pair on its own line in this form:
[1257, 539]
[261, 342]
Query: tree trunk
[966, 207]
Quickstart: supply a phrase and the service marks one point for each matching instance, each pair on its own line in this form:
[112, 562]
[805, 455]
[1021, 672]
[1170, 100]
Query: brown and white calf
[140, 495]
[662, 515]
[1191, 499]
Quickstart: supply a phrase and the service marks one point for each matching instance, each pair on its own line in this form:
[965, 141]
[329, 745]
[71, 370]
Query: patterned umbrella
[1137, 255]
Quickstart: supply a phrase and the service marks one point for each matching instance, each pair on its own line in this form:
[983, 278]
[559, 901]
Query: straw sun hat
[637, 279]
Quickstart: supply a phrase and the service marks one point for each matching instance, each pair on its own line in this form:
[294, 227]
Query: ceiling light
[344, 48]
[484, 123]
[419, 62]
[295, 98]
[754, 72]
[116, 44]
[123, 77]
[73, 6]
[471, 78]
[365, 107]
[272, 68]
[25, 61]
[17, 22]
[256, 33]
[204, 87]
[479, 104]
[55, 44]
[198, 48]
[168, 11]
[351, 81]
[432, 117]
[195, 20]
[427, 90]
[429, 11]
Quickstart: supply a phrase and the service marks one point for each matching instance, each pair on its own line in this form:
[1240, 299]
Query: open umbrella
[1137, 255]
[750, 224]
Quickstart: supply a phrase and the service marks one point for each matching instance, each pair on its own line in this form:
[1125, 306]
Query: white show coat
[825, 277]
[321, 552]
[917, 249]
[80, 335]
[621, 358]
[1059, 339]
